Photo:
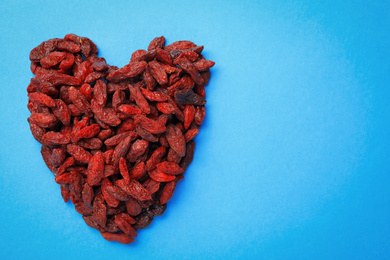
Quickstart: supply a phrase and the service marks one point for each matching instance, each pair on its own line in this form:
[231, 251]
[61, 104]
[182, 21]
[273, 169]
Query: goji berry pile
[117, 139]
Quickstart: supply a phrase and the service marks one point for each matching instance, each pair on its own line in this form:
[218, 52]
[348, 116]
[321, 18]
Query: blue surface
[292, 161]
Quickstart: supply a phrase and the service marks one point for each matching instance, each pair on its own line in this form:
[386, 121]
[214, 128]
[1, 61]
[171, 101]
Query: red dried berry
[87, 194]
[87, 132]
[124, 170]
[154, 95]
[95, 171]
[118, 237]
[54, 138]
[106, 115]
[100, 92]
[99, 210]
[203, 65]
[137, 149]
[180, 45]
[190, 134]
[157, 42]
[79, 153]
[117, 193]
[167, 192]
[79, 100]
[42, 99]
[67, 63]
[159, 176]
[125, 225]
[116, 139]
[176, 139]
[138, 171]
[65, 193]
[140, 100]
[129, 71]
[86, 90]
[130, 109]
[169, 168]
[188, 67]
[158, 72]
[44, 120]
[68, 162]
[133, 207]
[108, 196]
[134, 189]
[150, 125]
[52, 59]
[61, 111]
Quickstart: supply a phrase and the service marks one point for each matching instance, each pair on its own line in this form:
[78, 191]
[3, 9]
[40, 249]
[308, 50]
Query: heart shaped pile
[117, 139]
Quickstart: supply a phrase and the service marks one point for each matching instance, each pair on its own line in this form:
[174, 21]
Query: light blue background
[292, 161]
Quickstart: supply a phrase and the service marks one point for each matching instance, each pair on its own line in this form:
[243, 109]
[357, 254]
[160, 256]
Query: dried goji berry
[158, 72]
[129, 109]
[42, 99]
[129, 71]
[125, 225]
[57, 157]
[87, 194]
[68, 46]
[167, 192]
[117, 193]
[148, 56]
[52, 59]
[164, 56]
[159, 176]
[99, 210]
[61, 111]
[95, 169]
[67, 163]
[169, 168]
[143, 221]
[187, 66]
[92, 143]
[180, 45]
[203, 65]
[145, 134]
[118, 237]
[79, 100]
[106, 115]
[154, 95]
[176, 139]
[67, 63]
[140, 100]
[100, 92]
[134, 189]
[45, 120]
[190, 134]
[150, 125]
[137, 149]
[108, 196]
[133, 207]
[116, 139]
[65, 193]
[86, 90]
[157, 42]
[87, 132]
[138, 171]
[157, 210]
[124, 170]
[189, 97]
[54, 138]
